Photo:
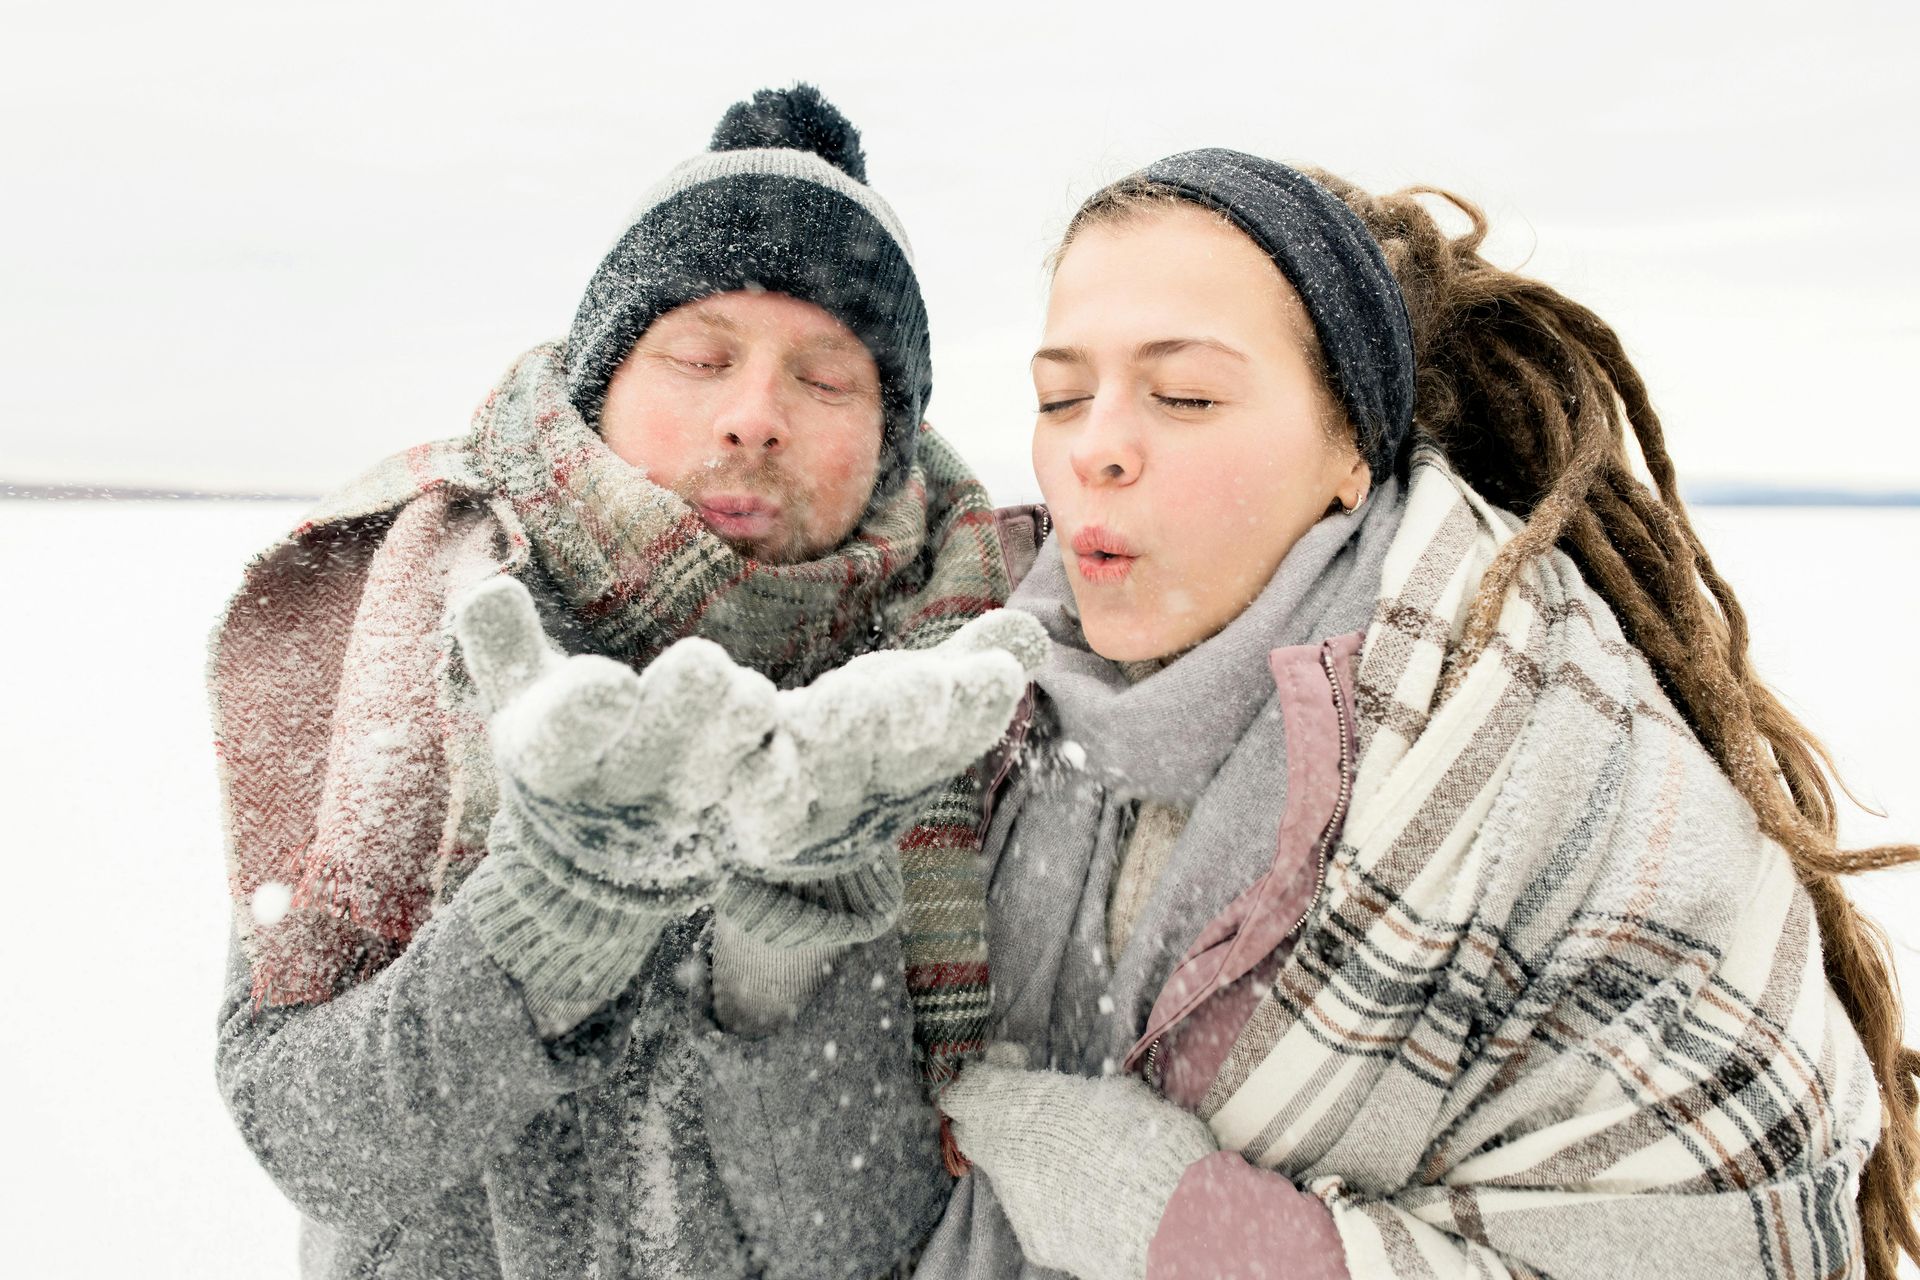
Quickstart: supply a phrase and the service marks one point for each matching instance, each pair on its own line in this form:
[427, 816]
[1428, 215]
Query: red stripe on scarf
[944, 836]
[951, 973]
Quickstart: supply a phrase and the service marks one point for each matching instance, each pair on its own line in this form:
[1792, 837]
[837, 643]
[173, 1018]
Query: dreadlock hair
[1530, 396]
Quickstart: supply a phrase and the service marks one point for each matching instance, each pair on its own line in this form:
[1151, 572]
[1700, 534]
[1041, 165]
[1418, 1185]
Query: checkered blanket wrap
[1562, 1012]
[355, 770]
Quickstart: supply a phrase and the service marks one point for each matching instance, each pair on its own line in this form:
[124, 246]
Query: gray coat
[424, 1128]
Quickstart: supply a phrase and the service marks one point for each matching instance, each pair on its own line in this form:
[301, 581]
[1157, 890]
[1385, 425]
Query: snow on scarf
[356, 779]
[1563, 1010]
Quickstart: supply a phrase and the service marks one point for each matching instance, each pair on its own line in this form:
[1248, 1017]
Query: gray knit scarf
[1203, 733]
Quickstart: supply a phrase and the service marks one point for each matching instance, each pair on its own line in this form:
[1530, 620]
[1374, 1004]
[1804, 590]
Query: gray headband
[1329, 257]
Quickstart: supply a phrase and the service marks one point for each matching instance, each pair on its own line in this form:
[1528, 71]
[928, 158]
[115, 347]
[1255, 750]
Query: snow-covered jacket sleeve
[365, 1110]
[821, 1131]
[370, 1110]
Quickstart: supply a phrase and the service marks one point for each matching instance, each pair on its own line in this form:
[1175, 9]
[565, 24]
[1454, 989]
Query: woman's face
[1184, 440]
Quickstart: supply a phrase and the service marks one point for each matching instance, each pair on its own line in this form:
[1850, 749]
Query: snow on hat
[1334, 263]
[778, 202]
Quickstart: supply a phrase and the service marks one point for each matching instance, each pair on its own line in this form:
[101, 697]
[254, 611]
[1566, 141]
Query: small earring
[1351, 507]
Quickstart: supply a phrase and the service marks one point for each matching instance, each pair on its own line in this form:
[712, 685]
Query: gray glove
[882, 736]
[855, 759]
[1083, 1168]
[611, 821]
[627, 800]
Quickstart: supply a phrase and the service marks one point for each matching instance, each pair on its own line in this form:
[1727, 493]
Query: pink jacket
[1228, 1217]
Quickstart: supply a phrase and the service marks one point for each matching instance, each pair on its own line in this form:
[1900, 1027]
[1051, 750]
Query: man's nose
[753, 418]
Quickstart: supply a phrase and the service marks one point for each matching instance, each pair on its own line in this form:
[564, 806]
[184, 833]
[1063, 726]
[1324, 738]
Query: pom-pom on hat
[798, 119]
[779, 202]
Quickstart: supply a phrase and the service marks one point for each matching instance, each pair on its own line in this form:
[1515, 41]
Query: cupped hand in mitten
[696, 764]
[623, 773]
[856, 755]
[1083, 1168]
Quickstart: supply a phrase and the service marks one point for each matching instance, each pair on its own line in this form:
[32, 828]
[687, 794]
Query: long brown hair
[1531, 395]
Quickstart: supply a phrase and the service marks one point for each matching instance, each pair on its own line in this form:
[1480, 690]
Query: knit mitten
[610, 823]
[857, 753]
[1083, 1168]
[855, 759]
[628, 800]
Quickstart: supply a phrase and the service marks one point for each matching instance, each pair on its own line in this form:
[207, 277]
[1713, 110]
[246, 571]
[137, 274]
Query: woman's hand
[1083, 1168]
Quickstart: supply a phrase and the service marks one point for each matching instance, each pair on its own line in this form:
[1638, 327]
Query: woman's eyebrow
[1172, 346]
[1157, 349]
[1062, 355]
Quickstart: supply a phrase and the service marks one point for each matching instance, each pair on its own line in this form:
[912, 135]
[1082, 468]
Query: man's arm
[366, 1109]
[821, 1130]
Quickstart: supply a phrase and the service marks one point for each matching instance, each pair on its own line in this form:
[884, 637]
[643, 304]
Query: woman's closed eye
[1060, 404]
[1195, 403]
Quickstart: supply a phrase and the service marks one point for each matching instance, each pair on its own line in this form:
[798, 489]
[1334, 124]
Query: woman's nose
[1107, 448]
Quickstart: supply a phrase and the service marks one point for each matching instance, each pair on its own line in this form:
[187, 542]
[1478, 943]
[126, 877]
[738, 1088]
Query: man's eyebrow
[714, 318]
[835, 342]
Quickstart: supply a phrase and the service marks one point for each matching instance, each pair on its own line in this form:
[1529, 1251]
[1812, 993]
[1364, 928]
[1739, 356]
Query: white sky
[248, 245]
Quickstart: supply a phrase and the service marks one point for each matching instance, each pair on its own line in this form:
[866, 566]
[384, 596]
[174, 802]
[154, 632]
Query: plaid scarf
[1563, 1010]
[355, 773]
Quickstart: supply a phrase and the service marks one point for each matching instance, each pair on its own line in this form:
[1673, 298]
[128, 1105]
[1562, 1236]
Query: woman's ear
[1356, 484]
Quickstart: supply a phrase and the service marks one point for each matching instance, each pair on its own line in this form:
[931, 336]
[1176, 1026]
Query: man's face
[761, 411]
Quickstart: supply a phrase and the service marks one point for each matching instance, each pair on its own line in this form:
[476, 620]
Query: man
[562, 805]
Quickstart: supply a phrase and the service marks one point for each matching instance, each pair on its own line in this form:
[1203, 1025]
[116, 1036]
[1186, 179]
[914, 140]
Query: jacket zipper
[1322, 847]
[1345, 798]
[1016, 741]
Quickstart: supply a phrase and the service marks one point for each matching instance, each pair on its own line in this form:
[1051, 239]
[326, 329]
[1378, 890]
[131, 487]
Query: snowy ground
[118, 1158]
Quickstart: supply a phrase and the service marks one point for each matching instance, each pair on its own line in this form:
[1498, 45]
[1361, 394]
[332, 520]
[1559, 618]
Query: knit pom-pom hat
[780, 203]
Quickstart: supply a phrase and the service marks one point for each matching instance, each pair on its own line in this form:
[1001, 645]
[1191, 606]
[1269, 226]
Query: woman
[1392, 885]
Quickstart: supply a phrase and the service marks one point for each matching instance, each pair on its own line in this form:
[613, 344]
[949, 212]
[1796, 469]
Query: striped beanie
[779, 202]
